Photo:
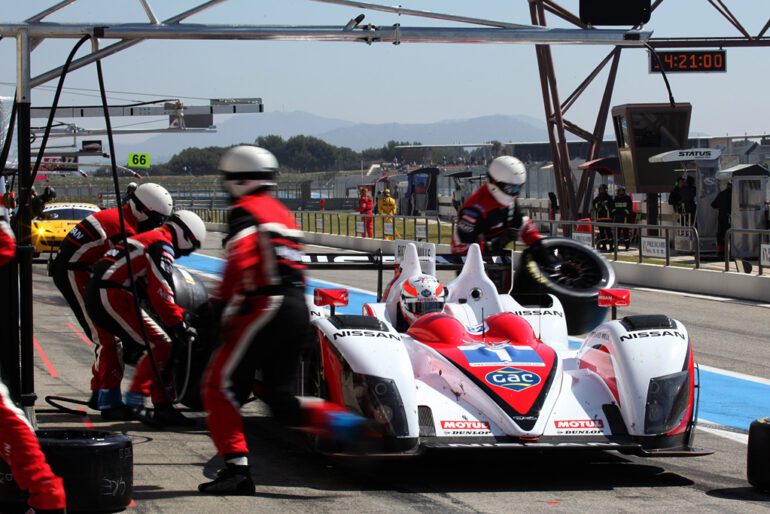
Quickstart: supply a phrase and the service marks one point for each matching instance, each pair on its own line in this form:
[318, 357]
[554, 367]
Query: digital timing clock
[674, 61]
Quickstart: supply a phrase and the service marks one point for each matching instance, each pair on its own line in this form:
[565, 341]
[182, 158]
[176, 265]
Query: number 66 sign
[139, 160]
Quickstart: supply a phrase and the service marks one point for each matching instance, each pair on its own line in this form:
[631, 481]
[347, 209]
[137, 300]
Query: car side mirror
[331, 297]
[614, 297]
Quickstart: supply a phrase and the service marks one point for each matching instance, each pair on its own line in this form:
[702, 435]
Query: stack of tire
[574, 273]
[97, 469]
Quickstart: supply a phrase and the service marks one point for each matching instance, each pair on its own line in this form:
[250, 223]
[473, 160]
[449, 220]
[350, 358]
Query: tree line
[296, 154]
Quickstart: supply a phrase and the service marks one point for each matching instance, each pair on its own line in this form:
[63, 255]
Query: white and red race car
[489, 372]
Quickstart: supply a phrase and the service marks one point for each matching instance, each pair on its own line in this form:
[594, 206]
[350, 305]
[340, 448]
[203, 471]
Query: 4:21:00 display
[689, 61]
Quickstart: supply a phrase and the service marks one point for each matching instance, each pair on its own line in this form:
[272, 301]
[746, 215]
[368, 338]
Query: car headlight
[378, 398]
[667, 400]
[40, 231]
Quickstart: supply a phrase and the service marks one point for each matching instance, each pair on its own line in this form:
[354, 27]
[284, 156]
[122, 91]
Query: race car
[490, 372]
[57, 219]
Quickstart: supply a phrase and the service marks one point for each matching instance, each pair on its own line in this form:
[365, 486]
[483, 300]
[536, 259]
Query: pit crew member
[18, 445]
[492, 218]
[265, 319]
[112, 306]
[88, 242]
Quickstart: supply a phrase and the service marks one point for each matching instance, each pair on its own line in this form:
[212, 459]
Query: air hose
[132, 279]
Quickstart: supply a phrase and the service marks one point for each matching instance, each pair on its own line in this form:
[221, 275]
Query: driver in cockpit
[420, 295]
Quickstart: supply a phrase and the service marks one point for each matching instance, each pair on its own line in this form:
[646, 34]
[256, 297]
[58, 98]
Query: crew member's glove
[184, 333]
[498, 244]
[542, 256]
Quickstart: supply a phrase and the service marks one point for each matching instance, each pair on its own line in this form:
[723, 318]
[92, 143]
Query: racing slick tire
[574, 274]
[189, 291]
[758, 458]
[97, 469]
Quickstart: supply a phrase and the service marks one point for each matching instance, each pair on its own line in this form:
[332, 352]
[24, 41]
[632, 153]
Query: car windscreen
[65, 214]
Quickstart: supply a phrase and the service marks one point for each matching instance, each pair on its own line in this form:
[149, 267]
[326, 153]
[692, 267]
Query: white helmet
[151, 205]
[506, 176]
[248, 168]
[188, 231]
[421, 294]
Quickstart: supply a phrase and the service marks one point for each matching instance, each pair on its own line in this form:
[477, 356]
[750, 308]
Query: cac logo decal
[513, 379]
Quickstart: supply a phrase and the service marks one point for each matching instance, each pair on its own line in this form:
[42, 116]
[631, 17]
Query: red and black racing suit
[21, 451]
[264, 322]
[18, 444]
[366, 208]
[110, 303]
[484, 220]
[86, 243]
[7, 243]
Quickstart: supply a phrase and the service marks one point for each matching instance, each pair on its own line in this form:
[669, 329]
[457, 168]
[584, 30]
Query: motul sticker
[463, 427]
[579, 423]
[578, 426]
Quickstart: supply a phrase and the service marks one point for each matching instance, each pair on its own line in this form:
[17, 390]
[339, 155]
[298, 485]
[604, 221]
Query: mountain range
[358, 136]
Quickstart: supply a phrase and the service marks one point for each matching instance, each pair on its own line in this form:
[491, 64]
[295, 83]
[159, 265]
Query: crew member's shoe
[145, 415]
[333, 423]
[93, 401]
[231, 481]
[121, 413]
[166, 415]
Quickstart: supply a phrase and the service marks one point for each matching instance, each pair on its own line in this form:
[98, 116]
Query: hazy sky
[406, 83]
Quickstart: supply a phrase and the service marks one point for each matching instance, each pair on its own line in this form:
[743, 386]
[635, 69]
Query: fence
[418, 228]
[432, 229]
[636, 233]
[764, 236]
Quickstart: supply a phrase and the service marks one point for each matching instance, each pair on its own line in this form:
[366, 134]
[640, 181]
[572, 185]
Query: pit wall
[701, 281]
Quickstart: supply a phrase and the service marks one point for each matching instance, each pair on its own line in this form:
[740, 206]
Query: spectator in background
[675, 196]
[366, 209]
[622, 205]
[38, 202]
[387, 208]
[724, 205]
[688, 195]
[602, 207]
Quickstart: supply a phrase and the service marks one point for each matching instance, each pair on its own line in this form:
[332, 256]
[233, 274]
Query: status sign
[139, 160]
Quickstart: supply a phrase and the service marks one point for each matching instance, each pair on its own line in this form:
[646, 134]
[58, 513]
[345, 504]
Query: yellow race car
[52, 226]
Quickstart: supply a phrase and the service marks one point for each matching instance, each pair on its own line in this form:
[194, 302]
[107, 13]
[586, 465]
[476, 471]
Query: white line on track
[701, 296]
[725, 434]
[735, 374]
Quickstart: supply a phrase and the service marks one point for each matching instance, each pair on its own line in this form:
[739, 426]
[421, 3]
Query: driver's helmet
[421, 294]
